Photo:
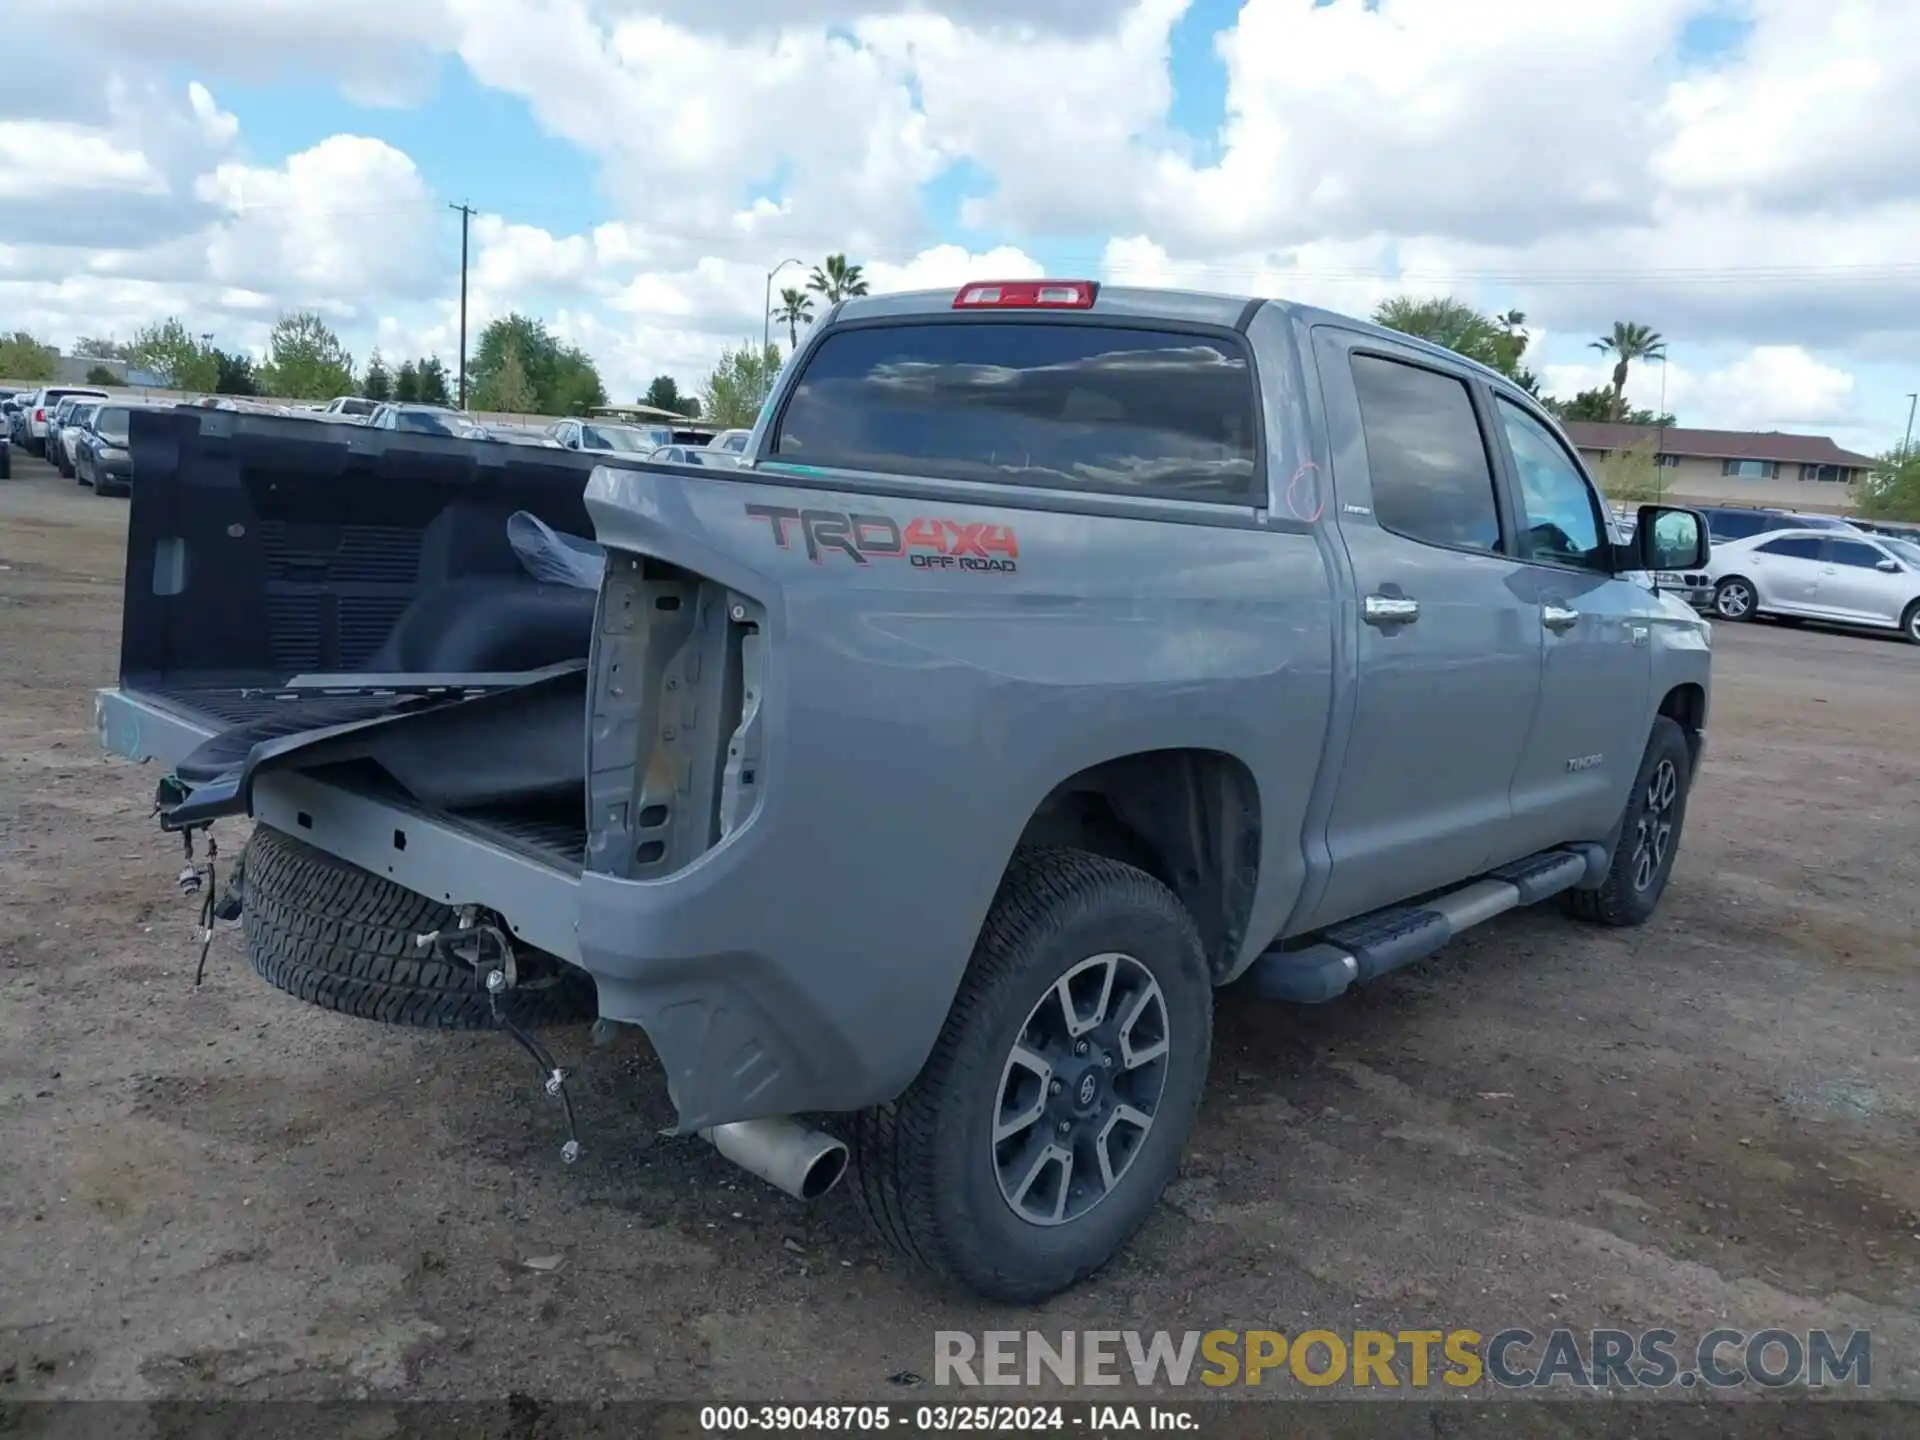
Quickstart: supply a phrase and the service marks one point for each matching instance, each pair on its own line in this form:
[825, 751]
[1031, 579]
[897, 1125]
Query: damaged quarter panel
[883, 689]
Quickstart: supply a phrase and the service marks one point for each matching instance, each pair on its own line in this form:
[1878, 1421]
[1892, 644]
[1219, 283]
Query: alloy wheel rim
[1080, 1089]
[1653, 834]
[1734, 600]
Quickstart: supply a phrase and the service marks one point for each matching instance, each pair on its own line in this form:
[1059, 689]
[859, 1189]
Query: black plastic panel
[305, 542]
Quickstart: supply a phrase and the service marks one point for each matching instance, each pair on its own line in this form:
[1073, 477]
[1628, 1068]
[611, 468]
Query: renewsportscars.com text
[1513, 1359]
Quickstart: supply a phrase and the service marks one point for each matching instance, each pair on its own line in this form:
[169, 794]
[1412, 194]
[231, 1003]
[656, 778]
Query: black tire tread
[340, 937]
[1607, 905]
[892, 1145]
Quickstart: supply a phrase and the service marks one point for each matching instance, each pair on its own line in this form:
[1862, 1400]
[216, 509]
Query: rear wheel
[1734, 598]
[1060, 1094]
[342, 938]
[1649, 834]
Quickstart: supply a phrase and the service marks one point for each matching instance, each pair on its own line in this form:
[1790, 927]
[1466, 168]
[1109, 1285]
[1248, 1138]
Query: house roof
[1717, 444]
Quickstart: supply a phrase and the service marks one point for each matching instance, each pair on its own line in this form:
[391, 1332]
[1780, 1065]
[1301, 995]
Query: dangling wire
[207, 901]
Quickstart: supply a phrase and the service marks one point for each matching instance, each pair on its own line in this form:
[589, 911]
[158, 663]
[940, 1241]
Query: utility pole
[1660, 442]
[466, 219]
[1906, 445]
[766, 305]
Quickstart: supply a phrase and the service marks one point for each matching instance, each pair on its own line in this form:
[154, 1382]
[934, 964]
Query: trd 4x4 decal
[927, 543]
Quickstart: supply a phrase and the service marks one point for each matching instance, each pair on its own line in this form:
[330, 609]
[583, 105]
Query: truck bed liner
[220, 707]
[553, 834]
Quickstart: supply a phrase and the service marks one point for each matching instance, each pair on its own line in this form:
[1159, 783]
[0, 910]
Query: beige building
[1742, 467]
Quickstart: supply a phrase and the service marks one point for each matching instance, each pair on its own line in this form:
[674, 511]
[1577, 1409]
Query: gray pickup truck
[1058, 655]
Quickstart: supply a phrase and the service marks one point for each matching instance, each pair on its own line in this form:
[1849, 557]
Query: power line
[1271, 261]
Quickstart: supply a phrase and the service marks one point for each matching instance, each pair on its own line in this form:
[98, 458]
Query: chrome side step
[1369, 946]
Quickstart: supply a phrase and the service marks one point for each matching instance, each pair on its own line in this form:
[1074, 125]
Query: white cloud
[351, 219]
[1768, 387]
[1758, 208]
[688, 123]
[1823, 107]
[952, 265]
[41, 160]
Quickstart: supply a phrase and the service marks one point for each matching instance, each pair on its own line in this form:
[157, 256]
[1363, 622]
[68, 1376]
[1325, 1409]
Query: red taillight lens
[39, 417]
[1027, 295]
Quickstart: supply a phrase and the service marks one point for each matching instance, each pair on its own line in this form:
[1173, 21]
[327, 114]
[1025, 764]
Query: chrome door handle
[1389, 610]
[1558, 618]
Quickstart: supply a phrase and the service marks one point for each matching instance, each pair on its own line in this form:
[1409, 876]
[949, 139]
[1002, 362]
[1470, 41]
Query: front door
[1854, 588]
[1590, 729]
[1448, 646]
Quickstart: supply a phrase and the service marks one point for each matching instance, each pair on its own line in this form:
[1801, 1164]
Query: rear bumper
[744, 1028]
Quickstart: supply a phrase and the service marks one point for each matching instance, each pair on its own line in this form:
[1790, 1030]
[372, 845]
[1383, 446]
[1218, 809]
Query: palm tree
[1629, 341]
[795, 310]
[836, 280]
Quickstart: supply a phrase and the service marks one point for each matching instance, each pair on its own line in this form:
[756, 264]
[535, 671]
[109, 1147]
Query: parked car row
[85, 438]
[65, 425]
[28, 413]
[650, 442]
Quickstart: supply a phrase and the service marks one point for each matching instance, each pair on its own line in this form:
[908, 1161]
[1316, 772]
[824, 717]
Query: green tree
[305, 359]
[506, 390]
[739, 385]
[562, 379]
[22, 357]
[1628, 342]
[101, 375]
[171, 353]
[406, 383]
[431, 382]
[97, 347]
[1597, 405]
[233, 374]
[664, 394]
[577, 387]
[1631, 476]
[835, 280]
[1457, 326]
[376, 384]
[794, 310]
[1892, 491]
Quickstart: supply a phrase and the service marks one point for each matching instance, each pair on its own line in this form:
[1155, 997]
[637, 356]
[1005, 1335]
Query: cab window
[1562, 518]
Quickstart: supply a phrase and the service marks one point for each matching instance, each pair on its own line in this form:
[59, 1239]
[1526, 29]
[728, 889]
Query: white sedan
[1848, 578]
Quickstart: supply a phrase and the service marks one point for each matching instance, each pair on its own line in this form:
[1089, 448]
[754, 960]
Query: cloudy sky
[1743, 175]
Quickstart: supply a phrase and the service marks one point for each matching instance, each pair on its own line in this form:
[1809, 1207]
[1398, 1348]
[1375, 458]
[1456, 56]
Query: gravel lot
[223, 1192]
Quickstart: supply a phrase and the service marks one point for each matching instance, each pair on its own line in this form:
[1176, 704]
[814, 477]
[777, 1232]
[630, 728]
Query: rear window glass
[1075, 407]
[1734, 524]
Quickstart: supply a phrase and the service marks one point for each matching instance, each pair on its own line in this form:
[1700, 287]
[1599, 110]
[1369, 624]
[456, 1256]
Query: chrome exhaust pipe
[796, 1158]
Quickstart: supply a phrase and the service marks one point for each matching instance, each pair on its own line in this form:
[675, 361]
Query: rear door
[1449, 650]
[1787, 572]
[1590, 728]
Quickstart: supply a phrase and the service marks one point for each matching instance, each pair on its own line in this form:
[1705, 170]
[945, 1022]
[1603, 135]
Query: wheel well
[1686, 706]
[1189, 818]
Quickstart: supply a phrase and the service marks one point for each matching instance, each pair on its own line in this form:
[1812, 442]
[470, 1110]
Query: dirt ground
[222, 1192]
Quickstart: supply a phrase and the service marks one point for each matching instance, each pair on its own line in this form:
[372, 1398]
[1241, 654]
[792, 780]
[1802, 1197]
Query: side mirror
[1890, 567]
[1666, 537]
